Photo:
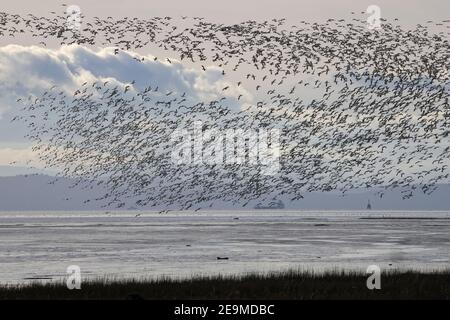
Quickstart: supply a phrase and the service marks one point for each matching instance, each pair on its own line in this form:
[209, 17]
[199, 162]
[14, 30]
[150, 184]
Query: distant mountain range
[36, 192]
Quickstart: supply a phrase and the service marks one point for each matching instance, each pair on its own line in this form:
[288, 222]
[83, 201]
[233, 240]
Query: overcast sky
[411, 11]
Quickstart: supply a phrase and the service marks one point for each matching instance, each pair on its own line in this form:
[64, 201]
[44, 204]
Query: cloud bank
[31, 70]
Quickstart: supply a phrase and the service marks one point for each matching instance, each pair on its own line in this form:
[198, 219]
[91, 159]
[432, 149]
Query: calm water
[40, 245]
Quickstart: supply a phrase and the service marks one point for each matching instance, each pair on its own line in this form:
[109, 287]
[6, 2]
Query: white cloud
[24, 157]
[32, 70]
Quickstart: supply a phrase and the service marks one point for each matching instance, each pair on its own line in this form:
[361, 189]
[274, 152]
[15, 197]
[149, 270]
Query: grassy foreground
[283, 285]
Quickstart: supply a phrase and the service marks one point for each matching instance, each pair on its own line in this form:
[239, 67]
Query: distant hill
[8, 171]
[391, 200]
[34, 192]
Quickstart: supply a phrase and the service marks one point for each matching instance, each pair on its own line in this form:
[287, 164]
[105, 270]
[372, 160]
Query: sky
[28, 69]
[411, 11]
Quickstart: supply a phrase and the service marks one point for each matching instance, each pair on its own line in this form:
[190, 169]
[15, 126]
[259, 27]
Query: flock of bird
[356, 108]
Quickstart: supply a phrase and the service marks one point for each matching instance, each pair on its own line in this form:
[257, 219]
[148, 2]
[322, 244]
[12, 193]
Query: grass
[281, 285]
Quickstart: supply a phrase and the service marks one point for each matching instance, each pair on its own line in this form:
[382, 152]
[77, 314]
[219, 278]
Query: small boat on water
[271, 205]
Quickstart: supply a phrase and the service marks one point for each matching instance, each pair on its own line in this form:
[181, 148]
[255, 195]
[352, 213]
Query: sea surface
[39, 246]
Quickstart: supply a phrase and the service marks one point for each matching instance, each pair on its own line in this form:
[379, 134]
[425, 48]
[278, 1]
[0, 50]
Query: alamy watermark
[74, 278]
[374, 280]
[229, 146]
[374, 20]
[73, 20]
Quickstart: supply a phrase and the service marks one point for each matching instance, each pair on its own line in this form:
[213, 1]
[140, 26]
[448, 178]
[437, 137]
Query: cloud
[31, 70]
[19, 157]
[28, 70]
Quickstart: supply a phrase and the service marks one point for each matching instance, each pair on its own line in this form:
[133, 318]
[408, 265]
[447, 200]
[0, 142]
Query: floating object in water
[272, 205]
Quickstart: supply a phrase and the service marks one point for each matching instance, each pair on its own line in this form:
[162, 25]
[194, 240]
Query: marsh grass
[278, 285]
